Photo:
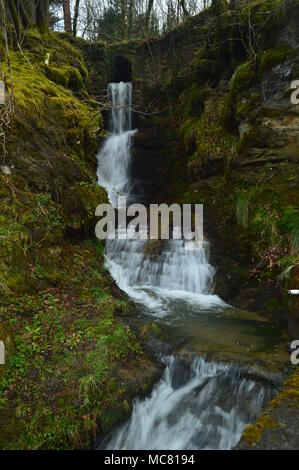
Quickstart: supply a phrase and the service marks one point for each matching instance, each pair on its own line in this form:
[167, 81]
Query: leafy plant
[89, 388]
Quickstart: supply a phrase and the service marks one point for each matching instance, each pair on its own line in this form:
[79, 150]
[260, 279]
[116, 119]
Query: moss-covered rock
[206, 139]
[276, 428]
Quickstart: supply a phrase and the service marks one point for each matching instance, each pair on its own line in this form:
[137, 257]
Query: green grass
[265, 223]
[242, 209]
[290, 224]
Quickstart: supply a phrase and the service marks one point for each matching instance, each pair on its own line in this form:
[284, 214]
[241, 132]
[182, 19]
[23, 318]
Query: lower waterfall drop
[195, 406]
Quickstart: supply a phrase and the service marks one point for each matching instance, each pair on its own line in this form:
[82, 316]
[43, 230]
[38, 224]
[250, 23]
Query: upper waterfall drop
[115, 155]
[120, 95]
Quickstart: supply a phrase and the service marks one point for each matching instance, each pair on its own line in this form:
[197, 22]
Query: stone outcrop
[277, 427]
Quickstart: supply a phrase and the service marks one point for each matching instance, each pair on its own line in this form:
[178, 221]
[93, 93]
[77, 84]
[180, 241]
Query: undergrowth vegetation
[277, 225]
[67, 342]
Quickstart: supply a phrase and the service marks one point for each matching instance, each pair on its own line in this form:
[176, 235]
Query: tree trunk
[16, 19]
[148, 16]
[75, 20]
[184, 8]
[131, 18]
[4, 34]
[42, 15]
[25, 14]
[67, 16]
[123, 18]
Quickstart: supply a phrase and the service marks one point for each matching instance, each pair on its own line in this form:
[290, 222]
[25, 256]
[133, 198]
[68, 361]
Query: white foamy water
[194, 406]
[156, 279]
[114, 157]
[198, 406]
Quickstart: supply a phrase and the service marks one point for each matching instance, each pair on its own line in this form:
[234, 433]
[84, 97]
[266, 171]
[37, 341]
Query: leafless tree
[76, 16]
[148, 15]
[67, 16]
[124, 18]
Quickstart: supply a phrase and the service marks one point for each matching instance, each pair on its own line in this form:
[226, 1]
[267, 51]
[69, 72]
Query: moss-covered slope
[61, 315]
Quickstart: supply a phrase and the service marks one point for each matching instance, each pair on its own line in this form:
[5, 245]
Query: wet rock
[148, 169]
[135, 378]
[277, 427]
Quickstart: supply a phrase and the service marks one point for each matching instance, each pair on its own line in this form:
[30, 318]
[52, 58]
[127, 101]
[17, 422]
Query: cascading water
[114, 158]
[197, 406]
[158, 280]
[202, 405]
[174, 272]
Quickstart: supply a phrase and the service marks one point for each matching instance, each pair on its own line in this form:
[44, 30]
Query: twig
[105, 106]
[26, 58]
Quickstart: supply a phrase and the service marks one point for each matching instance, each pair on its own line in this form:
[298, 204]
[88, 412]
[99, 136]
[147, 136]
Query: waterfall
[194, 406]
[120, 95]
[156, 280]
[151, 279]
[198, 406]
[114, 158]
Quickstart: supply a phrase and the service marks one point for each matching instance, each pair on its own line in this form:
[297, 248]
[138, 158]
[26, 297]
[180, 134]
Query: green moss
[58, 75]
[75, 81]
[271, 58]
[242, 208]
[254, 432]
[67, 76]
[247, 107]
[52, 140]
[192, 101]
[241, 78]
[248, 73]
[52, 109]
[91, 195]
[205, 138]
[288, 397]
